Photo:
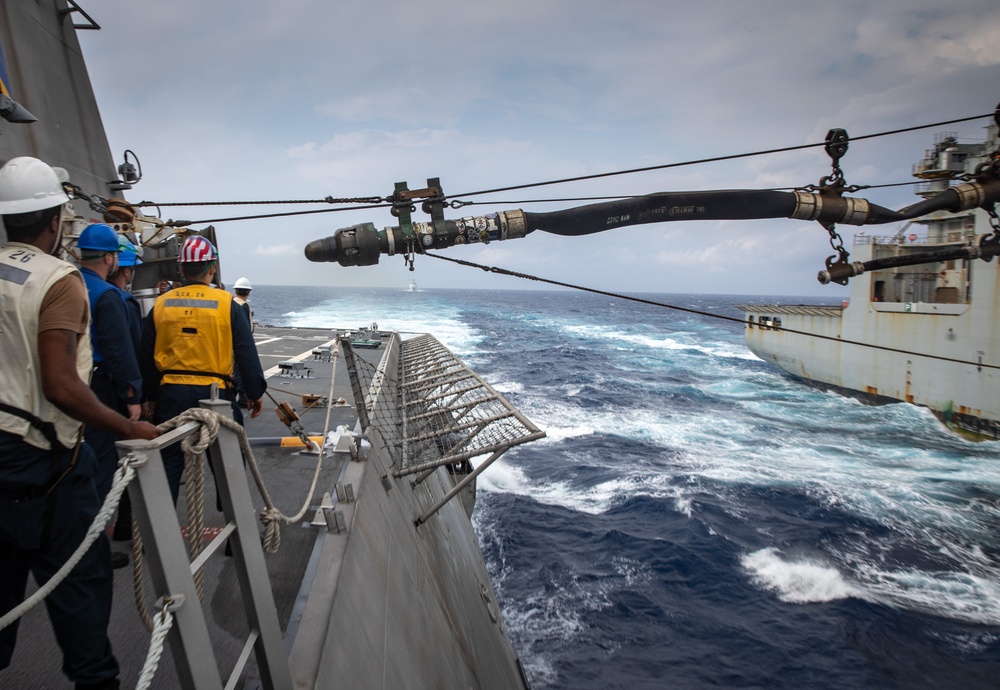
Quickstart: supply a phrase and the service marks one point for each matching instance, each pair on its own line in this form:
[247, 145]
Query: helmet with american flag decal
[196, 249]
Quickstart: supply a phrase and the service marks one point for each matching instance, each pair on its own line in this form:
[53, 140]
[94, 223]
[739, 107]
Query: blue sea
[696, 518]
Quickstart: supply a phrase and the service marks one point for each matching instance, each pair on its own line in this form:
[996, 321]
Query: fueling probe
[362, 244]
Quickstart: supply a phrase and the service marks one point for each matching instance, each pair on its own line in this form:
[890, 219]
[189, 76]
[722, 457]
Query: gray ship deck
[287, 474]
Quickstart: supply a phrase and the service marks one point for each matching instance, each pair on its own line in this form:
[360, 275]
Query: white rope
[137, 570]
[123, 475]
[319, 447]
[163, 620]
[194, 446]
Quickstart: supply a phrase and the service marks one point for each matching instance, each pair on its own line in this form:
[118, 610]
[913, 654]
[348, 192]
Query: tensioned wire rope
[372, 202]
[525, 276]
[733, 319]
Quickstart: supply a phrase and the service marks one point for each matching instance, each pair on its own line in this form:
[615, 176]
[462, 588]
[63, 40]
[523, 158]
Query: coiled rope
[194, 447]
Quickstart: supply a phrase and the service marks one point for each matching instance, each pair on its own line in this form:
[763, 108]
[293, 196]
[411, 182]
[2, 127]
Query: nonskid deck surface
[287, 473]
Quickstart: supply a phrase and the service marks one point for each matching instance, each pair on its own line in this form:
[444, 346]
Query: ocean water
[696, 518]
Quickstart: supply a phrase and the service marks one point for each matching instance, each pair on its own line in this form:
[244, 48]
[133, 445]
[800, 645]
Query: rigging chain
[833, 186]
[527, 276]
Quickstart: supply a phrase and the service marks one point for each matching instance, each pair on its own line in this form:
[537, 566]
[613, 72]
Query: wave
[719, 470]
[799, 581]
[959, 596]
[357, 308]
[502, 477]
[689, 341]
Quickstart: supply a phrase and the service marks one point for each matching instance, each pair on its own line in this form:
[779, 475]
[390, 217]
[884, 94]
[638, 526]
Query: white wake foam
[799, 581]
[968, 597]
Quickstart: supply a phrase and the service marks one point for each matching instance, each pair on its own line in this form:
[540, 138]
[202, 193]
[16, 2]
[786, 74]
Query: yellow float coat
[194, 336]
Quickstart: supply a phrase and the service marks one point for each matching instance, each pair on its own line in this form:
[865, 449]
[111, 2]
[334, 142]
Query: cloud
[290, 249]
[306, 100]
[935, 40]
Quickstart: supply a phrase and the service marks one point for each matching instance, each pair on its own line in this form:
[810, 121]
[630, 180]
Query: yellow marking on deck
[296, 442]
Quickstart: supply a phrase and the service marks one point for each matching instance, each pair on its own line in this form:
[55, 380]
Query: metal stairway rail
[173, 576]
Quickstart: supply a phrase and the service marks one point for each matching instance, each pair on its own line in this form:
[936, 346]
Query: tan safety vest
[26, 275]
[194, 336]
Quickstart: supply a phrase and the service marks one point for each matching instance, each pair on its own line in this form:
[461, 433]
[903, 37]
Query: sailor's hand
[148, 408]
[255, 406]
[143, 430]
[134, 412]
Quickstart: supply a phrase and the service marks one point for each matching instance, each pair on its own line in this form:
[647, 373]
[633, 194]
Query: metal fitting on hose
[840, 273]
[830, 209]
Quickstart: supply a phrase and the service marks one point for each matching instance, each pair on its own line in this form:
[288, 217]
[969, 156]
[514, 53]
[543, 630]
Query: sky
[304, 99]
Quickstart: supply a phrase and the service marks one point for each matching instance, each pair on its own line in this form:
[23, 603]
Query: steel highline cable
[723, 158]
[527, 276]
[580, 178]
[454, 204]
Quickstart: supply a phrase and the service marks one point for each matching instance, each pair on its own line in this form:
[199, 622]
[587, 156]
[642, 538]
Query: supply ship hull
[916, 334]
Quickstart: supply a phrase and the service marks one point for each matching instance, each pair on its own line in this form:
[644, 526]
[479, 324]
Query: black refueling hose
[729, 204]
[361, 245]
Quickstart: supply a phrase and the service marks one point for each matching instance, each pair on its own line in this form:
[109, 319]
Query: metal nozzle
[322, 250]
[361, 245]
[357, 245]
[840, 273]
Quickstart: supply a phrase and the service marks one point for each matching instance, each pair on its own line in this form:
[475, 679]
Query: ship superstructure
[919, 333]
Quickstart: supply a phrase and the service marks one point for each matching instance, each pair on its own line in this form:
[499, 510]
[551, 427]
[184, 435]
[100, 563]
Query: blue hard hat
[128, 258]
[127, 253]
[98, 237]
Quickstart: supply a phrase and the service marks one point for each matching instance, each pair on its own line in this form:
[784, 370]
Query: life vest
[194, 336]
[26, 275]
[96, 286]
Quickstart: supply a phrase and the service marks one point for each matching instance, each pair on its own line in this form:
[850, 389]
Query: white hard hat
[27, 184]
[242, 284]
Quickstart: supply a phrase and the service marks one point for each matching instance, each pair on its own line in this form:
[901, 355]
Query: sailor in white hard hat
[47, 497]
[242, 288]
